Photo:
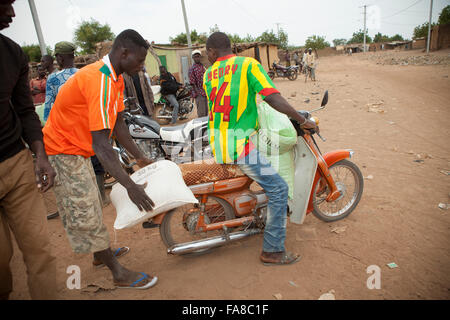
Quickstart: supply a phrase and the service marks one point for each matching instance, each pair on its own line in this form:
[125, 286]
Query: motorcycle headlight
[315, 119]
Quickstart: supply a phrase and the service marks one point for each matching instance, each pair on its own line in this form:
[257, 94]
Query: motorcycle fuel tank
[142, 132]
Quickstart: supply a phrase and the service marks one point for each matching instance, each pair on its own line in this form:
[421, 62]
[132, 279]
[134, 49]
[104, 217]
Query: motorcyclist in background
[169, 88]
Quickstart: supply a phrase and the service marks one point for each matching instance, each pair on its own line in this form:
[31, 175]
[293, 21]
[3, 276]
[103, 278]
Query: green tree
[358, 37]
[444, 17]
[339, 42]
[397, 37]
[88, 33]
[380, 38]
[249, 38]
[214, 29]
[280, 39]
[195, 38]
[316, 42]
[235, 38]
[422, 30]
[33, 52]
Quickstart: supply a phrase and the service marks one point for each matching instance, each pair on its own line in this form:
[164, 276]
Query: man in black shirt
[169, 88]
[22, 207]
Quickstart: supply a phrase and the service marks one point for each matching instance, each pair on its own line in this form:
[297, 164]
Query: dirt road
[390, 115]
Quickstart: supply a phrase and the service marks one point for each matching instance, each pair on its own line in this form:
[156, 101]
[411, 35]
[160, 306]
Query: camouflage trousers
[79, 203]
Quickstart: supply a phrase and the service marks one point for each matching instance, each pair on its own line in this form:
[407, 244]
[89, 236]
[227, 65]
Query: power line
[402, 10]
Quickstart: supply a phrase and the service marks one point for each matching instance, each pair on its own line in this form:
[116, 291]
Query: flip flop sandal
[287, 259]
[145, 278]
[118, 253]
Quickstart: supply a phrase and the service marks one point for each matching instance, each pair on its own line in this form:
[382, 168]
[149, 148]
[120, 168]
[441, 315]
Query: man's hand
[310, 125]
[45, 174]
[137, 194]
[143, 162]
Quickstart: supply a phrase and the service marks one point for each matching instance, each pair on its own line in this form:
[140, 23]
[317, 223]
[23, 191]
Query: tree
[380, 38]
[358, 37]
[33, 52]
[195, 37]
[235, 38]
[444, 17]
[339, 42]
[269, 36]
[316, 42]
[397, 37]
[214, 29]
[88, 33]
[422, 30]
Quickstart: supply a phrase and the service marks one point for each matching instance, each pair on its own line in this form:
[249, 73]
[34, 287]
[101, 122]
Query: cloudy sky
[157, 20]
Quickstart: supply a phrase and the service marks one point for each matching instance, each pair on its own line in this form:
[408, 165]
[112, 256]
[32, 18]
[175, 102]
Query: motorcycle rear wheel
[157, 112]
[344, 205]
[173, 227]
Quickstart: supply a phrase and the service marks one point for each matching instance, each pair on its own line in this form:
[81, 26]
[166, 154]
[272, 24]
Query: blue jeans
[255, 166]
[173, 101]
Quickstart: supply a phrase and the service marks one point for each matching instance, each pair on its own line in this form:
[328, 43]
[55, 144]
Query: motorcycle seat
[174, 128]
[174, 134]
[205, 171]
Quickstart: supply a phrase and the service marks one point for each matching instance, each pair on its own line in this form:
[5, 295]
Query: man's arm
[110, 162]
[123, 135]
[31, 127]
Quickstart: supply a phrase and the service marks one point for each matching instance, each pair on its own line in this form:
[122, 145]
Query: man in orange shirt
[87, 110]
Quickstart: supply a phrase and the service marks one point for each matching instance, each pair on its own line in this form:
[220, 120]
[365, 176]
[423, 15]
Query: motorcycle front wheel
[158, 112]
[350, 183]
[177, 225]
[271, 75]
[292, 75]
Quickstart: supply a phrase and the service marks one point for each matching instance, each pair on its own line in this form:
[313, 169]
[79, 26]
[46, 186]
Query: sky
[158, 20]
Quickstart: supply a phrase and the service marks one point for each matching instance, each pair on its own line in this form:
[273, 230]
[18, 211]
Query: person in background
[231, 85]
[37, 86]
[139, 87]
[196, 73]
[311, 63]
[287, 57]
[22, 207]
[304, 60]
[87, 111]
[64, 52]
[169, 88]
[47, 64]
[295, 58]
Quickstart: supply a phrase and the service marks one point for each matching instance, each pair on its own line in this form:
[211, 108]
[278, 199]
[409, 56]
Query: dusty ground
[397, 220]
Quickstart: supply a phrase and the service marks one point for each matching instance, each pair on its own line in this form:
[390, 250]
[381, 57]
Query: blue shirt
[54, 82]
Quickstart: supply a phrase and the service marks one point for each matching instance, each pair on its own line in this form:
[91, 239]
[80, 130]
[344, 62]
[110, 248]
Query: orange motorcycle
[231, 208]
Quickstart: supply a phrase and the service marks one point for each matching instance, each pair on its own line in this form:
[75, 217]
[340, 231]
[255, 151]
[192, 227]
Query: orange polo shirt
[88, 101]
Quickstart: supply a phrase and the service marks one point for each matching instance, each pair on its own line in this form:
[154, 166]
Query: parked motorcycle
[283, 72]
[184, 143]
[329, 185]
[164, 110]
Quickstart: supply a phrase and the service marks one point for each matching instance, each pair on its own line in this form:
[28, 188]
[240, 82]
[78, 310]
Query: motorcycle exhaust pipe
[164, 117]
[187, 247]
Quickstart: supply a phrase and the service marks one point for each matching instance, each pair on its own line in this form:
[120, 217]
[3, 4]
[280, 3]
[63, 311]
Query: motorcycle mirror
[325, 99]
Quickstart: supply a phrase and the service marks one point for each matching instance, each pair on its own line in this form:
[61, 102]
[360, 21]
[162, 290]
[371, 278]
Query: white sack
[165, 186]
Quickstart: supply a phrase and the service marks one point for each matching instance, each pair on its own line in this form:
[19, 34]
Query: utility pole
[365, 28]
[37, 26]
[186, 25]
[278, 29]
[429, 27]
